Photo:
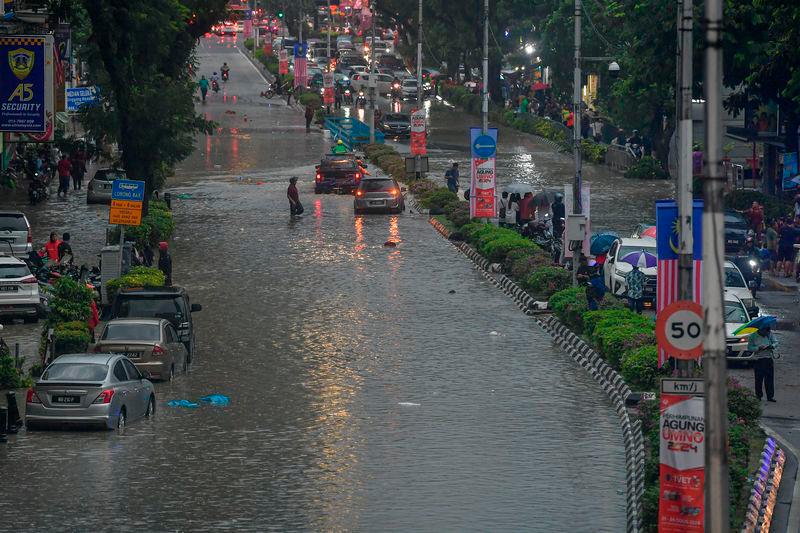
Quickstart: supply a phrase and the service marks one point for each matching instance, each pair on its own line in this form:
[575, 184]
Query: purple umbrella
[640, 259]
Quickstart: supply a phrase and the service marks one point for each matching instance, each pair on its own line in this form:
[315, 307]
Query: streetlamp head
[529, 49]
[613, 66]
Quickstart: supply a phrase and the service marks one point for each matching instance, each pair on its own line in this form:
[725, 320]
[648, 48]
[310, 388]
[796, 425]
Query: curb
[609, 380]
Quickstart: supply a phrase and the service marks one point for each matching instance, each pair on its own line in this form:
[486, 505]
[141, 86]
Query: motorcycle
[750, 266]
[635, 150]
[37, 190]
[397, 92]
[347, 98]
[214, 86]
[269, 93]
[361, 99]
[225, 75]
[541, 233]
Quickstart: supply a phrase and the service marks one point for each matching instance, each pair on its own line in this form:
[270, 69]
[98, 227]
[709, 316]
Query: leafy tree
[141, 54]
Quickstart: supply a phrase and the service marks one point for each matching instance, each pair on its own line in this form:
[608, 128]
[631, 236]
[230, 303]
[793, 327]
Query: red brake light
[359, 193]
[29, 279]
[158, 350]
[358, 175]
[31, 397]
[105, 396]
[319, 176]
[30, 237]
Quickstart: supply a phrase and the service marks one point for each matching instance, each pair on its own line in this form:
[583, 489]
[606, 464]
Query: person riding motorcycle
[749, 262]
[397, 89]
[215, 82]
[339, 148]
[634, 144]
[37, 190]
[225, 71]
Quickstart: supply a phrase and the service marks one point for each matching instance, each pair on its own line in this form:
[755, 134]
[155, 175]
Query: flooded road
[366, 395]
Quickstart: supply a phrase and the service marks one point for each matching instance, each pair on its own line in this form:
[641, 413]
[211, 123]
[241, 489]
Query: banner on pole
[418, 133]
[24, 65]
[247, 26]
[667, 242]
[283, 62]
[483, 183]
[328, 97]
[682, 454]
[300, 72]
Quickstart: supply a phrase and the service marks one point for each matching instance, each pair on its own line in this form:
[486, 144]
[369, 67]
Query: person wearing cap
[165, 262]
[339, 148]
[762, 344]
[451, 176]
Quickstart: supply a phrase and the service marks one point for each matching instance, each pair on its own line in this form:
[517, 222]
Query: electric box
[110, 266]
[576, 227]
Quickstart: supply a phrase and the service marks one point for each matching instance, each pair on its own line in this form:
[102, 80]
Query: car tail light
[105, 396]
[158, 350]
[30, 236]
[319, 177]
[358, 175]
[359, 193]
[32, 397]
[29, 279]
[393, 192]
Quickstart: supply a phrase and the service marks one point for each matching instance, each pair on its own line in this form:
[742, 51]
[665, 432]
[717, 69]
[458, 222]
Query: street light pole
[485, 84]
[419, 57]
[684, 147]
[330, 16]
[577, 186]
[372, 82]
[714, 362]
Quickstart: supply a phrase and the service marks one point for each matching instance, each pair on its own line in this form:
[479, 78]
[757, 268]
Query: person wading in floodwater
[295, 207]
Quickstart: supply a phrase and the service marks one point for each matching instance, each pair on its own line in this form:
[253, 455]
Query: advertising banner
[791, 179]
[300, 72]
[23, 61]
[667, 241]
[247, 26]
[483, 184]
[80, 96]
[283, 62]
[418, 133]
[327, 85]
[682, 454]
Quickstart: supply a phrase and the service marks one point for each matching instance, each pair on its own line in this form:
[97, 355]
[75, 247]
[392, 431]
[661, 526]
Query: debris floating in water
[390, 244]
[408, 404]
[183, 403]
[216, 399]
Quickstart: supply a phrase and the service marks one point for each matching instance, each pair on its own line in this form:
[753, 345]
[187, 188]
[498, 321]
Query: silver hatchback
[99, 188]
[378, 193]
[100, 390]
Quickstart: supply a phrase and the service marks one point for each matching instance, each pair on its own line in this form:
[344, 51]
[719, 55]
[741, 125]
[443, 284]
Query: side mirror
[195, 308]
[144, 374]
[751, 284]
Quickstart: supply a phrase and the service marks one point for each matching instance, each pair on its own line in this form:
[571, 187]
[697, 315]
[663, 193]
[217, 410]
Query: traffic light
[280, 14]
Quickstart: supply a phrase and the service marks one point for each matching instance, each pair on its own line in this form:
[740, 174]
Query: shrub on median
[640, 368]
[547, 280]
[311, 99]
[647, 168]
[137, 277]
[457, 213]
[522, 262]
[570, 306]
[439, 198]
[71, 337]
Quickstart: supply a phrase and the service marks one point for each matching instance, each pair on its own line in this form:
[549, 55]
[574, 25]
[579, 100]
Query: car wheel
[358, 211]
[151, 407]
[317, 191]
[31, 319]
[121, 419]
[185, 367]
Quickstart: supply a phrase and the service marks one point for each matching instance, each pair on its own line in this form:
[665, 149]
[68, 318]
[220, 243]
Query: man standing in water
[295, 207]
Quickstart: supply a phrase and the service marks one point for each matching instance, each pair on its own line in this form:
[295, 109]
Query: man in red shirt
[295, 207]
[526, 208]
[64, 170]
[51, 246]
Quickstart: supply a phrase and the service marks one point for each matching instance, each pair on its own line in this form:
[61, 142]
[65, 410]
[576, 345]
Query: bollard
[168, 200]
[3, 424]
[14, 420]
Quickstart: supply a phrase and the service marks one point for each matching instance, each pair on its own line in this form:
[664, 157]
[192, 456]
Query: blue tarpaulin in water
[182, 403]
[216, 399]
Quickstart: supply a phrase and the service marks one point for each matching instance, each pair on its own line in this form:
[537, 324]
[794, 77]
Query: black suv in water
[171, 303]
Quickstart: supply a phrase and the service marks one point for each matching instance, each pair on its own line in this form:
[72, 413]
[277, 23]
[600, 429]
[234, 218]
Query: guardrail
[617, 157]
[351, 131]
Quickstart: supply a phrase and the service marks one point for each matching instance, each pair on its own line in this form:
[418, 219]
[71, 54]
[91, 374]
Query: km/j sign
[127, 197]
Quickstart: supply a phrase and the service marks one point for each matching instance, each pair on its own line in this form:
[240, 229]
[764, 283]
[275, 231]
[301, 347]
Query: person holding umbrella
[635, 280]
[762, 344]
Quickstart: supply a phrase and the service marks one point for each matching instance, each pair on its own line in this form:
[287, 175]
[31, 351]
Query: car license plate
[67, 399]
[377, 202]
[8, 288]
[106, 186]
[132, 355]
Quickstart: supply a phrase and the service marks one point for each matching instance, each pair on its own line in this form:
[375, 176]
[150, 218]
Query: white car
[19, 290]
[735, 316]
[735, 284]
[383, 82]
[409, 88]
[615, 270]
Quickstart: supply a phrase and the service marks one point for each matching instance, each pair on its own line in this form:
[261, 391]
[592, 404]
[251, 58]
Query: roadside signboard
[679, 330]
[80, 96]
[127, 197]
[681, 505]
[327, 85]
[23, 93]
[418, 134]
[790, 175]
[483, 184]
[283, 62]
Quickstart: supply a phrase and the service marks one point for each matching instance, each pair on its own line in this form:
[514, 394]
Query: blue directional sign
[80, 96]
[485, 146]
[130, 190]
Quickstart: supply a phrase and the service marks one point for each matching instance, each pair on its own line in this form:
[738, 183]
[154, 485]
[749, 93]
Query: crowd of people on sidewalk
[773, 240]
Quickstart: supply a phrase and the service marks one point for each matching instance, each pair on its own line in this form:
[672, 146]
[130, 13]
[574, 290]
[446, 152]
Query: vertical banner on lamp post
[418, 134]
[327, 86]
[483, 184]
[681, 506]
[300, 65]
[283, 62]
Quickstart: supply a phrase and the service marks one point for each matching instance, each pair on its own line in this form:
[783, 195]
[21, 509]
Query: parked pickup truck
[338, 173]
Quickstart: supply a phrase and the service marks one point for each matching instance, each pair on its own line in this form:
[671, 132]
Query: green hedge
[158, 225]
[640, 368]
[137, 277]
[310, 98]
[548, 280]
[439, 198]
[71, 337]
[70, 301]
[647, 168]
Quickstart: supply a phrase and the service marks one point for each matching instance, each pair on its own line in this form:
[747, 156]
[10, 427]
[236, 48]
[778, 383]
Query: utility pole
[684, 147]
[577, 185]
[714, 363]
[330, 22]
[372, 82]
[419, 57]
[485, 84]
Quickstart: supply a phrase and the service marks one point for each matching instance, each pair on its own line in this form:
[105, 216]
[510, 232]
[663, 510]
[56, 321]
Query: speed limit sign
[679, 330]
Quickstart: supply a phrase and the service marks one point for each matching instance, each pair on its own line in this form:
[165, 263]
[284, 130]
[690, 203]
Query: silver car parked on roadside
[100, 390]
[99, 189]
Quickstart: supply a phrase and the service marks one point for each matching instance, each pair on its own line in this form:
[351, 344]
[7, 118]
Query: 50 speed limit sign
[679, 330]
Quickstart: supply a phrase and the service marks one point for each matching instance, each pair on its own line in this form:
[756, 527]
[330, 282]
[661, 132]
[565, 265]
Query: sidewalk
[780, 283]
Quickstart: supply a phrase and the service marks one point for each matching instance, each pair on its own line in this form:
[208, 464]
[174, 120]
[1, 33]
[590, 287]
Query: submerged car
[378, 194]
[338, 172]
[395, 124]
[98, 390]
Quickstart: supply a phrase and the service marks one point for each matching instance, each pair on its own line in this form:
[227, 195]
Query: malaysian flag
[667, 228]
